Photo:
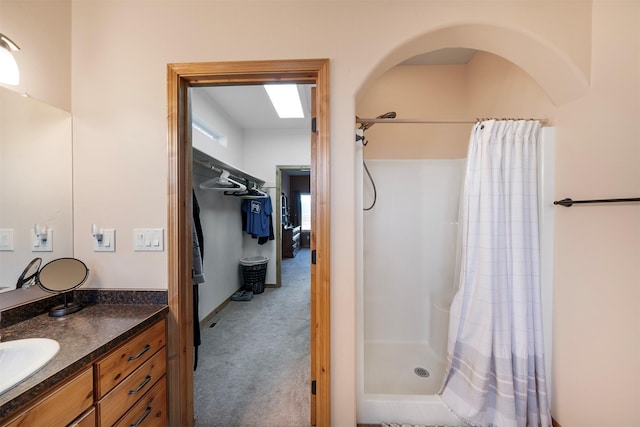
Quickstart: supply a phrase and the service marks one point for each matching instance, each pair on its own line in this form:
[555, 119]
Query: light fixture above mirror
[9, 72]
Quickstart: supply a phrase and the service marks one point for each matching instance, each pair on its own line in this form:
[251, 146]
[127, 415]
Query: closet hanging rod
[426, 121]
[207, 165]
[569, 202]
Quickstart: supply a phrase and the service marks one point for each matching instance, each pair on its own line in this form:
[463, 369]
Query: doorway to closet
[252, 343]
[182, 77]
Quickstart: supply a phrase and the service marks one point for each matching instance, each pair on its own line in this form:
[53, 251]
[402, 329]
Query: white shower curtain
[495, 374]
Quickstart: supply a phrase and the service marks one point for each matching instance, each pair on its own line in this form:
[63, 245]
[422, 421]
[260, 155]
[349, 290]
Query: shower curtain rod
[426, 121]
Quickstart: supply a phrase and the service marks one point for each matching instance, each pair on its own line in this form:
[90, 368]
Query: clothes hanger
[257, 191]
[252, 193]
[223, 182]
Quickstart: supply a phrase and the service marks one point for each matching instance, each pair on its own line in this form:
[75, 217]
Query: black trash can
[254, 273]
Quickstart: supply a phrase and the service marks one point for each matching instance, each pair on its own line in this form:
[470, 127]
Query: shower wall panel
[410, 240]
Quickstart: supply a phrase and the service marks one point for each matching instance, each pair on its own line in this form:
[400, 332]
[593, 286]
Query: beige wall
[498, 88]
[119, 56]
[597, 268]
[417, 92]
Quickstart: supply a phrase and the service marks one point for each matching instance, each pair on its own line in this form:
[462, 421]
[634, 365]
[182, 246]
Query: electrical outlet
[108, 242]
[40, 245]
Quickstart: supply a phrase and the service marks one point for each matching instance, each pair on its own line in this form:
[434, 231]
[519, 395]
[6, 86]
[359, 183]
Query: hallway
[253, 367]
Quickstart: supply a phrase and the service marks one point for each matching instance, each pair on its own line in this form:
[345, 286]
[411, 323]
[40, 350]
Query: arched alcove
[559, 80]
[556, 73]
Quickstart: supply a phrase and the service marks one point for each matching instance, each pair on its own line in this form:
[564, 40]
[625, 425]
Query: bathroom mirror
[61, 276]
[35, 182]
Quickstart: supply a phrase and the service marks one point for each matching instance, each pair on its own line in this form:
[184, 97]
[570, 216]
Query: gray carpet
[253, 367]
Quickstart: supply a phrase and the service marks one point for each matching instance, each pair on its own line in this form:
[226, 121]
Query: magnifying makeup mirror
[61, 276]
[29, 274]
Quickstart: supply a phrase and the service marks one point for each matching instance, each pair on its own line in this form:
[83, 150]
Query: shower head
[389, 115]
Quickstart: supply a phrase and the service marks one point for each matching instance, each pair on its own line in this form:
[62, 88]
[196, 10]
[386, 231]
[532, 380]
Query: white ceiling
[250, 108]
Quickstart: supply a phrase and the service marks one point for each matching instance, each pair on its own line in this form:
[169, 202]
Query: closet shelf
[206, 161]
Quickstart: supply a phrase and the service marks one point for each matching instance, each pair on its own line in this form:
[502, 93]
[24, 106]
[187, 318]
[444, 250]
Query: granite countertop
[83, 336]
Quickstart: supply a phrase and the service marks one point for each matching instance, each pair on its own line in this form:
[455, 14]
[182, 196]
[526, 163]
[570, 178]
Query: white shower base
[389, 368]
[392, 390]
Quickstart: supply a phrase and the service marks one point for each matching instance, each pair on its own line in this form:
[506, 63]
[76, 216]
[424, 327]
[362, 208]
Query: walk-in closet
[252, 228]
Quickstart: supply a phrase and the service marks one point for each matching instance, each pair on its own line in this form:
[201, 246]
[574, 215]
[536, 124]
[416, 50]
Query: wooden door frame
[180, 77]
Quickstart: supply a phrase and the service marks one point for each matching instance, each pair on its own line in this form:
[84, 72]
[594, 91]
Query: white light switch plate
[108, 243]
[6, 239]
[148, 239]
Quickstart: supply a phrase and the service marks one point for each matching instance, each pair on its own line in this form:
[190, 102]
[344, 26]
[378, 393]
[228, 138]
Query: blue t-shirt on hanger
[258, 213]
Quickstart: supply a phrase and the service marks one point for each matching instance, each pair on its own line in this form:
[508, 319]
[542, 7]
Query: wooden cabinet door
[60, 407]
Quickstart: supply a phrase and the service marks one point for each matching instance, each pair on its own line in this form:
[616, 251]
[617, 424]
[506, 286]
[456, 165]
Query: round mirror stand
[62, 275]
[67, 307]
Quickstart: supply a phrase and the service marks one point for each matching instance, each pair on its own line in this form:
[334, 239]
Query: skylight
[285, 100]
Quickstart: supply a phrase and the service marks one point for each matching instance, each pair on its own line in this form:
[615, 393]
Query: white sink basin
[21, 358]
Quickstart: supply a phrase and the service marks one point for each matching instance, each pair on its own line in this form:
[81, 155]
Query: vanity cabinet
[290, 241]
[131, 381]
[61, 406]
[125, 387]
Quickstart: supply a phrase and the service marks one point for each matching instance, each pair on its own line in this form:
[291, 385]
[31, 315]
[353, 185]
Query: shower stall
[409, 275]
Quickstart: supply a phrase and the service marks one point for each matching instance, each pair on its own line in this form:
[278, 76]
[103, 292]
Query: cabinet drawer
[128, 357]
[125, 394]
[151, 410]
[60, 407]
[88, 419]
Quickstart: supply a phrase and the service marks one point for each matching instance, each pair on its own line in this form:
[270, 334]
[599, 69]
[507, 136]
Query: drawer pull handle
[146, 348]
[141, 386]
[145, 415]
